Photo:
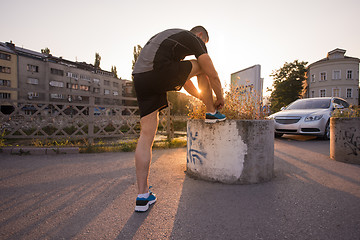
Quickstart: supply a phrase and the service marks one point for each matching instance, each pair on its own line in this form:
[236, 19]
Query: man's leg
[149, 124]
[206, 92]
[204, 85]
[212, 116]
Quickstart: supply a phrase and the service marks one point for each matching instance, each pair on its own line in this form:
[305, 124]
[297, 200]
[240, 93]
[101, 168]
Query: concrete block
[345, 140]
[233, 151]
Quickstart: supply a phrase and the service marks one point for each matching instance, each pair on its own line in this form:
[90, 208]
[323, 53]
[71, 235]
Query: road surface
[92, 196]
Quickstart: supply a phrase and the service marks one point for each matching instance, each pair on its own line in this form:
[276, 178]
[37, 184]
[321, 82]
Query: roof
[337, 59]
[4, 48]
[24, 51]
[337, 50]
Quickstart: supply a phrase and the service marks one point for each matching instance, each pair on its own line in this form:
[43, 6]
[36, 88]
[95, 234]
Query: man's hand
[219, 103]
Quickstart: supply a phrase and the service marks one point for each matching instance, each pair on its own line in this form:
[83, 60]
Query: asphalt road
[92, 196]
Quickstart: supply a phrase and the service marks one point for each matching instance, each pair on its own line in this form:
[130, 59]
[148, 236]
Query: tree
[97, 60]
[45, 51]
[114, 71]
[289, 84]
[179, 102]
[137, 50]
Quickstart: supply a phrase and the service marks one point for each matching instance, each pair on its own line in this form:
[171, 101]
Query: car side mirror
[283, 108]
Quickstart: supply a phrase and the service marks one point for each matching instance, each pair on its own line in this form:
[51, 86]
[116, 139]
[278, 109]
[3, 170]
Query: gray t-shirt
[168, 46]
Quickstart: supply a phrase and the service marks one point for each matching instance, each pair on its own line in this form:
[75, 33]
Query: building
[46, 78]
[336, 75]
[8, 76]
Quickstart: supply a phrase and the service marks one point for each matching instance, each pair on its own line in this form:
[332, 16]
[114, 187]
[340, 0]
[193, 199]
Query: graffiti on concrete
[194, 155]
[351, 140]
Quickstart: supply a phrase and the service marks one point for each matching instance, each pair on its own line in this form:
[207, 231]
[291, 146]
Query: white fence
[62, 120]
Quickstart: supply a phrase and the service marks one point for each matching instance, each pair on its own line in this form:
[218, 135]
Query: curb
[39, 150]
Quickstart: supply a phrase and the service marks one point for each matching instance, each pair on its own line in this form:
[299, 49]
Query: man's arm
[208, 68]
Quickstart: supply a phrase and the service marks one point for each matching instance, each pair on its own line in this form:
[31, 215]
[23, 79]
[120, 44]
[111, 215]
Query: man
[160, 68]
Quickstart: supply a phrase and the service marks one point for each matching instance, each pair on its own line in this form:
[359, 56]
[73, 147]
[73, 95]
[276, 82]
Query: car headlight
[313, 118]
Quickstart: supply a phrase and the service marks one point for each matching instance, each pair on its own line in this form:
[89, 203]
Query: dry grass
[352, 112]
[239, 104]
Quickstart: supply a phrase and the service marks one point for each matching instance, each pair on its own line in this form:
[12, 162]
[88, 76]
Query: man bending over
[160, 68]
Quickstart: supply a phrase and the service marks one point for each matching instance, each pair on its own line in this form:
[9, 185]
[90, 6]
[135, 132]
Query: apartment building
[46, 78]
[336, 75]
[8, 76]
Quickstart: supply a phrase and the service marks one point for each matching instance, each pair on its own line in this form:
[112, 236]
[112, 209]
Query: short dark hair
[200, 29]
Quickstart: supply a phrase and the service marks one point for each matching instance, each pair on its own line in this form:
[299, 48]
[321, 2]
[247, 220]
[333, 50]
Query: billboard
[249, 80]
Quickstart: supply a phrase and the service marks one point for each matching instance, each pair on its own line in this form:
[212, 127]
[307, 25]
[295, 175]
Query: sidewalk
[92, 196]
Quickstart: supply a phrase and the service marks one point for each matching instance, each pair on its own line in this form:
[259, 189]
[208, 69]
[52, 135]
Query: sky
[242, 32]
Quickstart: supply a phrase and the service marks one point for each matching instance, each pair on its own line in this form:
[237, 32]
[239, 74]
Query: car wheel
[326, 135]
[278, 135]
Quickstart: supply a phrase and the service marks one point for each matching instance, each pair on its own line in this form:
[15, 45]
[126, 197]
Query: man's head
[201, 32]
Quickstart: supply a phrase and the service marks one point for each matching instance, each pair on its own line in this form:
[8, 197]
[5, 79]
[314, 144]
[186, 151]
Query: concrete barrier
[233, 151]
[345, 139]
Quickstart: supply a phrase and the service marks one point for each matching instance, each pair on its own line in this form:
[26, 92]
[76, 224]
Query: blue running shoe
[213, 118]
[143, 204]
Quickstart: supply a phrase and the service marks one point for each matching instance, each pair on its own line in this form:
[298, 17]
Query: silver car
[309, 116]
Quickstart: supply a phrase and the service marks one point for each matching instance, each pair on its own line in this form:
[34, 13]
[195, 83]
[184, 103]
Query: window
[72, 75]
[5, 56]
[349, 93]
[106, 83]
[56, 84]
[323, 76]
[32, 68]
[106, 91]
[85, 77]
[341, 102]
[32, 95]
[5, 83]
[336, 74]
[96, 90]
[5, 95]
[5, 70]
[84, 88]
[336, 92]
[349, 74]
[312, 94]
[115, 93]
[57, 96]
[33, 81]
[72, 86]
[312, 78]
[97, 81]
[57, 72]
[115, 84]
[322, 93]
[110, 74]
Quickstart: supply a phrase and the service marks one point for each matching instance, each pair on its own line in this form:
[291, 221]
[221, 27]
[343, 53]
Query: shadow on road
[303, 201]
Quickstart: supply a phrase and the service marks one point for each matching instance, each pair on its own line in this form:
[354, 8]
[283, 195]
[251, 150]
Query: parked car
[309, 116]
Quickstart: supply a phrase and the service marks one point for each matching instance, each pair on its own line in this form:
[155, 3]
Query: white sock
[213, 113]
[144, 195]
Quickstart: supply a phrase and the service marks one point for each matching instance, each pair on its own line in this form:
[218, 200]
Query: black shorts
[151, 87]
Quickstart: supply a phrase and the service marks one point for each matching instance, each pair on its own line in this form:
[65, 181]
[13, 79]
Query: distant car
[309, 116]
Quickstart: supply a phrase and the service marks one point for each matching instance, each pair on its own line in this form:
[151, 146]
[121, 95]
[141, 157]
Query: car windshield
[310, 104]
